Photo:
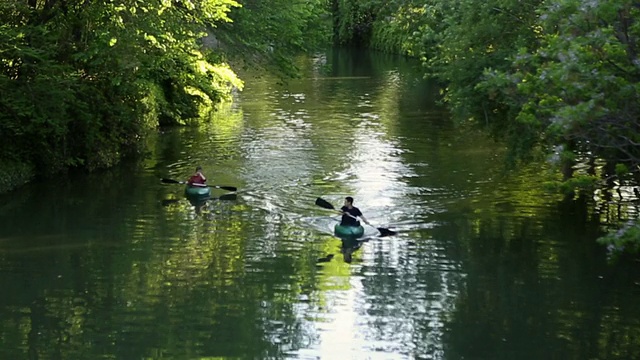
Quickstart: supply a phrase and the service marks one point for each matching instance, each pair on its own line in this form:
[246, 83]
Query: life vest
[196, 179]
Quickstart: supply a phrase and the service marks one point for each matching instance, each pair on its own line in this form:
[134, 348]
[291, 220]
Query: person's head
[348, 201]
[198, 169]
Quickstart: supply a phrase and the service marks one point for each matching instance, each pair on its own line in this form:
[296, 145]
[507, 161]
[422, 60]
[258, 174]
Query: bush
[14, 174]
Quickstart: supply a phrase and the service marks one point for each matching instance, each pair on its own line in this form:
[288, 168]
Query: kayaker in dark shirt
[350, 214]
[197, 179]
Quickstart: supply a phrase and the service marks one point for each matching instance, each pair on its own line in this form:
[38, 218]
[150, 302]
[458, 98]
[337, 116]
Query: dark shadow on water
[325, 259]
[201, 201]
[349, 246]
[201, 204]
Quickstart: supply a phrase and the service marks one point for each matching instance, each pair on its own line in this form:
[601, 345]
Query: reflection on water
[485, 264]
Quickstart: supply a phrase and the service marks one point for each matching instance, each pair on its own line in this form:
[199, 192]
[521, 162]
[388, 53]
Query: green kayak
[197, 191]
[348, 231]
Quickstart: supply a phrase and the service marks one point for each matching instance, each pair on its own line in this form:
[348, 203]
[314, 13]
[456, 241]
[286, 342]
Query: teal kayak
[197, 191]
[348, 231]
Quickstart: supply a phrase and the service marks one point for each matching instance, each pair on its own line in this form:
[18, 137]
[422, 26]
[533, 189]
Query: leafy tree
[354, 20]
[82, 81]
[579, 89]
[271, 33]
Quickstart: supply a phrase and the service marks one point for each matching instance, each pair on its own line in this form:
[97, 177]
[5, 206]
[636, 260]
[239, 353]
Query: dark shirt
[348, 220]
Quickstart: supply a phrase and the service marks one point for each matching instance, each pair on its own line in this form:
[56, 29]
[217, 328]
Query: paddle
[327, 205]
[171, 181]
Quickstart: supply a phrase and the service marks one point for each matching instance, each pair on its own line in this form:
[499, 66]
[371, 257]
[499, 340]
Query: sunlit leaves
[216, 10]
[78, 80]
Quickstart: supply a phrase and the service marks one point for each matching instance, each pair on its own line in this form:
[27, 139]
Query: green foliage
[579, 85]
[271, 33]
[578, 183]
[481, 36]
[190, 85]
[621, 170]
[14, 173]
[408, 29]
[354, 20]
[81, 81]
[623, 240]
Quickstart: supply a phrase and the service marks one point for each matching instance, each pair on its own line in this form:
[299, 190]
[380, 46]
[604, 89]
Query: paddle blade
[230, 188]
[169, 181]
[325, 204]
[386, 232]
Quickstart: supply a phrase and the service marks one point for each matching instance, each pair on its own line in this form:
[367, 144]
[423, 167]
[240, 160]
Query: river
[486, 264]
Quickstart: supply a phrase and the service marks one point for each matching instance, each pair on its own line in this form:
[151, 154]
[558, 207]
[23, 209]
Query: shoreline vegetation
[15, 174]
